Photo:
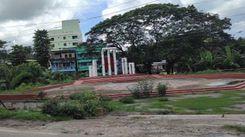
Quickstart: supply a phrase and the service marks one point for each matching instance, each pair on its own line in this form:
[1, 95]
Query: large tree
[3, 52]
[180, 34]
[20, 54]
[152, 23]
[42, 47]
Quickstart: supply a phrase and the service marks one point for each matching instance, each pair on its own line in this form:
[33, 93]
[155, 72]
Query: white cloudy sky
[19, 18]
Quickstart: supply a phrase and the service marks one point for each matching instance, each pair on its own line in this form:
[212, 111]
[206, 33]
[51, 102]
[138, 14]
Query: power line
[35, 24]
[112, 13]
[90, 18]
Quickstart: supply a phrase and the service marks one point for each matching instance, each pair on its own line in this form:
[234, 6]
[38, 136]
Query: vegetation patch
[127, 100]
[238, 128]
[223, 104]
[29, 115]
[78, 106]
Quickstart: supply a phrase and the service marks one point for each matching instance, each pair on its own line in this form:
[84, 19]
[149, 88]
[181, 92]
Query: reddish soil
[130, 78]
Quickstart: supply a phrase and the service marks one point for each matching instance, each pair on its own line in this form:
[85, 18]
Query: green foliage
[84, 97]
[207, 60]
[6, 75]
[142, 89]
[238, 128]
[229, 61]
[78, 106]
[186, 104]
[127, 100]
[179, 43]
[161, 88]
[27, 73]
[3, 52]
[105, 98]
[163, 99]
[20, 54]
[58, 76]
[42, 47]
[28, 115]
[71, 108]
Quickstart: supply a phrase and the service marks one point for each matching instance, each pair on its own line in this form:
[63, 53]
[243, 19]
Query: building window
[64, 44]
[65, 55]
[64, 37]
[52, 39]
[70, 56]
[75, 43]
[74, 37]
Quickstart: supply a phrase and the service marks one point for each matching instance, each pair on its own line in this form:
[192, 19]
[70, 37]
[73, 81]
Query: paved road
[130, 126]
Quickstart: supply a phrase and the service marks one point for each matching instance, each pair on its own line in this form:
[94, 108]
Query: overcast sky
[19, 18]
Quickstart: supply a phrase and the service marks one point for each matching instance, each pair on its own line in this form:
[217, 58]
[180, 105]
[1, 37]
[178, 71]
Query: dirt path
[132, 126]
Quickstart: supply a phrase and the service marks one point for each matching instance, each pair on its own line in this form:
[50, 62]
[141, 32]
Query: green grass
[32, 87]
[28, 115]
[238, 128]
[211, 71]
[223, 104]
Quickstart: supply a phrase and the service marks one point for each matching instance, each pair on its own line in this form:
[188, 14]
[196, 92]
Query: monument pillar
[103, 62]
[94, 68]
[109, 62]
[115, 62]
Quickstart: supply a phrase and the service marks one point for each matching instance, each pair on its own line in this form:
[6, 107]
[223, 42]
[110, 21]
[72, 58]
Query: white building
[68, 37]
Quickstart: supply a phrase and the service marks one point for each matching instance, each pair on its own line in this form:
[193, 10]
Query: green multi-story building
[85, 54]
[69, 54]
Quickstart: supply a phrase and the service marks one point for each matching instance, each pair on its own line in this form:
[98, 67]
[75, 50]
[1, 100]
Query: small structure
[159, 66]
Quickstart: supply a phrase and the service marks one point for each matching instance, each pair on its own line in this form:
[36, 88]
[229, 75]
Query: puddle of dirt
[218, 83]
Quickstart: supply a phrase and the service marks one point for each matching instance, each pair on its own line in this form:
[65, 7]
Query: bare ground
[129, 126]
[122, 87]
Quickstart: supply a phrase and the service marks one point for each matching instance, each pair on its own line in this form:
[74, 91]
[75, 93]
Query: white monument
[124, 66]
[131, 68]
[109, 50]
[93, 69]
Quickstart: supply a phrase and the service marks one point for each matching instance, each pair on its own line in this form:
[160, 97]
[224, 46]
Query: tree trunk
[170, 68]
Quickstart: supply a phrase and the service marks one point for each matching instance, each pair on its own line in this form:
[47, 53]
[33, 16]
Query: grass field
[212, 103]
[28, 115]
[238, 128]
[227, 102]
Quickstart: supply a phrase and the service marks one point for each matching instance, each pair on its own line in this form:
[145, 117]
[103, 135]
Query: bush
[161, 88]
[163, 99]
[51, 107]
[71, 108]
[79, 105]
[83, 97]
[105, 98]
[127, 100]
[142, 89]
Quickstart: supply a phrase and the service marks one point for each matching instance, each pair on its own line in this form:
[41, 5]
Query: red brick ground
[123, 78]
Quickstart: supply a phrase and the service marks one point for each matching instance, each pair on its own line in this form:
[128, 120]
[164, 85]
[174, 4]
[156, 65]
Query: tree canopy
[20, 54]
[153, 23]
[42, 47]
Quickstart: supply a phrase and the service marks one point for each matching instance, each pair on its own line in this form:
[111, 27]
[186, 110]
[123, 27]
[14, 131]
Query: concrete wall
[22, 104]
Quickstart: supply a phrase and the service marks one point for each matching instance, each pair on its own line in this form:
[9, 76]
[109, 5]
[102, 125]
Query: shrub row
[78, 106]
[143, 89]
